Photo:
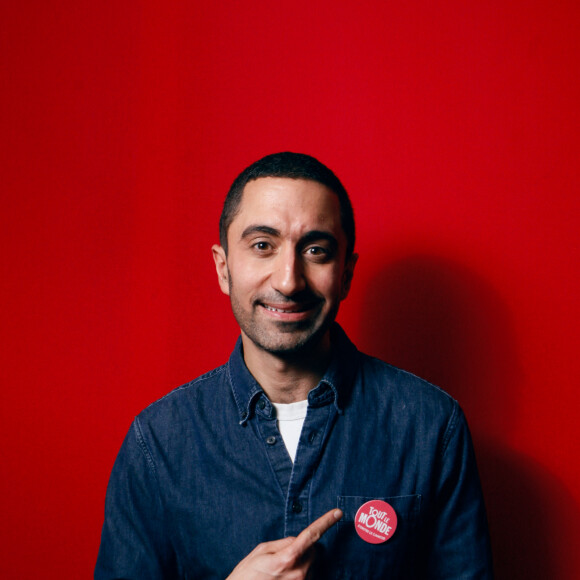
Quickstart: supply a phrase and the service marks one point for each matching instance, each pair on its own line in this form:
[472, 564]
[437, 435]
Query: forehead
[292, 203]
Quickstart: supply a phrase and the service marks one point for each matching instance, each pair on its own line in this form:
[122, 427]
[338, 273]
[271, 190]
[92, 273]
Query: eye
[319, 252]
[262, 246]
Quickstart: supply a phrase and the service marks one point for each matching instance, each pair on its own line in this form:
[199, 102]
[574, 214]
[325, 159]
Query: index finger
[310, 535]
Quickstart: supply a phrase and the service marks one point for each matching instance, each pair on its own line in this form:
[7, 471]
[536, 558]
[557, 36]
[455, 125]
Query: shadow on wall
[439, 320]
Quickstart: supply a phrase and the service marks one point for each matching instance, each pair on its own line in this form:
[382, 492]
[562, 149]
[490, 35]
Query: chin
[291, 343]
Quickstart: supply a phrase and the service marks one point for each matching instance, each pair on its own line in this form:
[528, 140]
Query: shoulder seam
[191, 384]
[413, 375]
[451, 427]
[143, 446]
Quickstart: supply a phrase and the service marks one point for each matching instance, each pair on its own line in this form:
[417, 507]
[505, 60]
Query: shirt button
[261, 404]
[271, 440]
[312, 437]
[296, 507]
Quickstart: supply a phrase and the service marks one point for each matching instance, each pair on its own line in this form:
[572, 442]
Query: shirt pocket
[360, 559]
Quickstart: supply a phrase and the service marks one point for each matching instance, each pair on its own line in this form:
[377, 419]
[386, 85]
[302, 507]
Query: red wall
[455, 127]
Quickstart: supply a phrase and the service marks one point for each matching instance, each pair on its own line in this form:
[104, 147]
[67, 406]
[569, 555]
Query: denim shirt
[203, 477]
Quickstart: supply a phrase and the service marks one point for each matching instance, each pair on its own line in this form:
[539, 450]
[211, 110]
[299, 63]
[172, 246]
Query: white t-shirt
[290, 420]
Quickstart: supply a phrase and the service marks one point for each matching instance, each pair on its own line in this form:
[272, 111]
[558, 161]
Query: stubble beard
[282, 339]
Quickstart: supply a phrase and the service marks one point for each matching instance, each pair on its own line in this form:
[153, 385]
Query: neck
[287, 378]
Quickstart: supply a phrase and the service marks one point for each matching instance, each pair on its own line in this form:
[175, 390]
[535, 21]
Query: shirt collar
[335, 386]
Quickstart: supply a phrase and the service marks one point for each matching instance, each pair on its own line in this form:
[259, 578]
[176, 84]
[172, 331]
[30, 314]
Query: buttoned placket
[294, 479]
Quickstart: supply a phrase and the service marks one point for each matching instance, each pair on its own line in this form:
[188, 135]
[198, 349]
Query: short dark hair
[293, 166]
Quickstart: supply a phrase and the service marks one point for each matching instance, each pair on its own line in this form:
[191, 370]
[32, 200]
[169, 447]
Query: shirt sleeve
[460, 546]
[134, 545]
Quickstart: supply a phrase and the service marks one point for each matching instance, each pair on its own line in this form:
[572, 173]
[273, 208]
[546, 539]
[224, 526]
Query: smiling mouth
[285, 310]
[290, 311]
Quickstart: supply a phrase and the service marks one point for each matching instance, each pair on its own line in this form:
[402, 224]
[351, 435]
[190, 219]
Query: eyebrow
[317, 235]
[311, 236]
[255, 229]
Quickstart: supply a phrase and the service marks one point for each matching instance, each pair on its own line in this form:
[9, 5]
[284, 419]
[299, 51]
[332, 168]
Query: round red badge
[375, 521]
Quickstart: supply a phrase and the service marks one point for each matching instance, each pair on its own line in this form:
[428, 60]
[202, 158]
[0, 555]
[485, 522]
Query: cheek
[244, 281]
[328, 282]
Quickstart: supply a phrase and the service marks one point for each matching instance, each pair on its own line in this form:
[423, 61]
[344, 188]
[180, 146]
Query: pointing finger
[310, 535]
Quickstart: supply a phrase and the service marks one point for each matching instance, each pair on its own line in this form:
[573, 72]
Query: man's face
[285, 270]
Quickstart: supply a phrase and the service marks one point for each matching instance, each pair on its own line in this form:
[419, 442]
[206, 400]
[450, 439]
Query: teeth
[276, 309]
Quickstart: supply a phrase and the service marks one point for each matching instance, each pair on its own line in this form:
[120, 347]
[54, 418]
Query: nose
[288, 274]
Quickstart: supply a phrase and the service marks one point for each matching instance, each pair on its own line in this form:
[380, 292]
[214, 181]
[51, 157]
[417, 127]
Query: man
[244, 472]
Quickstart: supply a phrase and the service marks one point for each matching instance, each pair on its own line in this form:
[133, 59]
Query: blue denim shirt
[203, 476]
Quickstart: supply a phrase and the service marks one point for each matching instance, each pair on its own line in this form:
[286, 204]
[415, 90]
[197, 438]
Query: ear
[347, 275]
[221, 266]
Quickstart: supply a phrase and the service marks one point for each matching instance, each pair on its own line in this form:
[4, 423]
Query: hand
[289, 558]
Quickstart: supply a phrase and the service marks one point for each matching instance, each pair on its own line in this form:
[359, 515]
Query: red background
[455, 127]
